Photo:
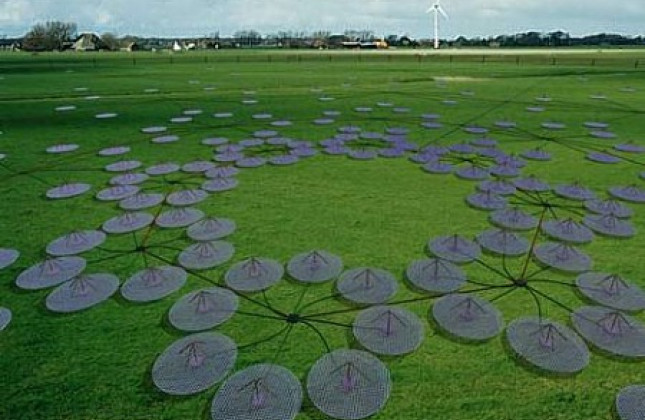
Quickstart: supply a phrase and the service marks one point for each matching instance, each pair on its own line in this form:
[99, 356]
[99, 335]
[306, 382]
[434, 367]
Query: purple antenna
[254, 274]
[214, 141]
[388, 330]
[467, 317]
[68, 191]
[611, 290]
[552, 125]
[435, 275]
[505, 124]
[154, 129]
[367, 285]
[632, 193]
[210, 229]
[221, 115]
[129, 178]
[117, 192]
[568, 230]
[629, 148]
[497, 186]
[181, 120]
[574, 192]
[537, 154]
[165, 139]
[531, 183]
[123, 166]
[455, 248]
[114, 151]
[472, 173]
[220, 184]
[503, 242]
[62, 148]
[603, 158]
[611, 331]
[437, 167]
[283, 160]
[597, 125]
[128, 222]
[51, 272]
[141, 201]
[250, 162]
[193, 364]
[203, 309]
[163, 169]
[547, 345]
[153, 283]
[179, 217]
[562, 257]
[222, 172]
[610, 225]
[487, 200]
[349, 384]
[75, 243]
[206, 255]
[82, 292]
[259, 392]
[315, 266]
[186, 197]
[609, 207]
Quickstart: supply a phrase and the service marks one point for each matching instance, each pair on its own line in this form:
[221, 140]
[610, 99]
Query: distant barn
[88, 41]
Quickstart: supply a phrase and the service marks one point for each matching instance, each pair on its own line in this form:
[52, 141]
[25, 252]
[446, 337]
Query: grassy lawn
[96, 364]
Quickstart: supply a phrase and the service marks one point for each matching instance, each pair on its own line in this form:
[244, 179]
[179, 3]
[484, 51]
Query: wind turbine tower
[437, 10]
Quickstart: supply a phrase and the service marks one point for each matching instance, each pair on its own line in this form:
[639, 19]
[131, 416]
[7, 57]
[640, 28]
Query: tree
[49, 36]
[36, 39]
[111, 41]
[248, 38]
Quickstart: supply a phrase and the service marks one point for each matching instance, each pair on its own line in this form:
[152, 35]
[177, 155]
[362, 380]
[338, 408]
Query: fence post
[483, 58]
[593, 61]
[636, 63]
[451, 58]
[517, 60]
[94, 61]
[134, 60]
[269, 58]
[330, 58]
[171, 60]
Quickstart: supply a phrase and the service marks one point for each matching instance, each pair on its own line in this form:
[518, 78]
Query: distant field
[96, 364]
[627, 58]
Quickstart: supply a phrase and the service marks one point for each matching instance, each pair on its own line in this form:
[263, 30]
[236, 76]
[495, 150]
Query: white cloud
[200, 17]
[14, 12]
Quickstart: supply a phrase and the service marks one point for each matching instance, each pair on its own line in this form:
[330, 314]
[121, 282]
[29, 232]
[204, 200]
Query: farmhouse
[88, 41]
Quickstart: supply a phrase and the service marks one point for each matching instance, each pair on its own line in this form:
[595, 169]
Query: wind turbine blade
[443, 12]
[430, 10]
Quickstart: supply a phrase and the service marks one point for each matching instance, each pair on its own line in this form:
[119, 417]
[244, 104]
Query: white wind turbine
[437, 10]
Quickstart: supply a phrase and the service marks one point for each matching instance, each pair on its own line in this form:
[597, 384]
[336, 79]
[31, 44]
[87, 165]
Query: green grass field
[96, 364]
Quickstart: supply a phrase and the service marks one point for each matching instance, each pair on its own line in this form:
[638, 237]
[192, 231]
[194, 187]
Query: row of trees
[551, 39]
[49, 36]
[56, 35]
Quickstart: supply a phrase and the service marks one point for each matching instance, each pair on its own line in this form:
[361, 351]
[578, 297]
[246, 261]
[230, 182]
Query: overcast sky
[202, 17]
